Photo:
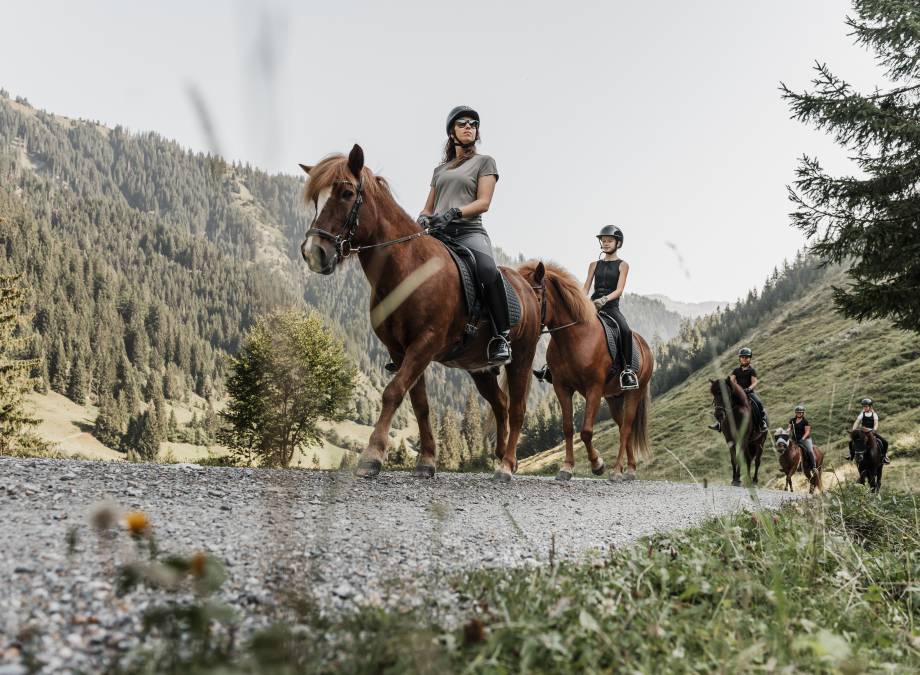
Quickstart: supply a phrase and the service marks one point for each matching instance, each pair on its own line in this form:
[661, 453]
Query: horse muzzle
[318, 256]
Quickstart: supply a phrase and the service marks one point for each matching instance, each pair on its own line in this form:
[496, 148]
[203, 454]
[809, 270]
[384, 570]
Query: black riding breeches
[612, 309]
[755, 399]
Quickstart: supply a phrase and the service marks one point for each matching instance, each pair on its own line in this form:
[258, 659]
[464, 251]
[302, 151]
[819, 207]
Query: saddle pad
[612, 333]
[466, 266]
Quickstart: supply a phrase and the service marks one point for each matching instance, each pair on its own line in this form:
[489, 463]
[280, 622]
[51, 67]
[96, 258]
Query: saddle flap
[612, 334]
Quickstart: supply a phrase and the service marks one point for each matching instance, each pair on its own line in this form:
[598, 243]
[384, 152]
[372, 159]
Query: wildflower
[138, 523]
[197, 565]
[103, 516]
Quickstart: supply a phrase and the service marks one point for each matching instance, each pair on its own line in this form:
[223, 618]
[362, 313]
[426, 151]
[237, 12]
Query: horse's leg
[788, 482]
[568, 431]
[736, 470]
[487, 385]
[415, 360]
[427, 461]
[757, 464]
[593, 397]
[518, 373]
[631, 402]
[617, 405]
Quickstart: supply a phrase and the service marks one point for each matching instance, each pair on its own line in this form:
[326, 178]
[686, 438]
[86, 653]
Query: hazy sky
[661, 117]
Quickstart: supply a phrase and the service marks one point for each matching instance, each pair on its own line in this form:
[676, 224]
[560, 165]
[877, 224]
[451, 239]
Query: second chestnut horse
[579, 361]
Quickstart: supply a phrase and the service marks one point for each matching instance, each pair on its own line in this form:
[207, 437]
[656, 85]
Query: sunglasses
[466, 122]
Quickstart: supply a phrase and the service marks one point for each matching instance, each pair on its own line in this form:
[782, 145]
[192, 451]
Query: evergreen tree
[172, 429]
[57, 367]
[451, 446]
[76, 384]
[149, 435]
[871, 218]
[109, 425]
[471, 426]
[290, 374]
[14, 370]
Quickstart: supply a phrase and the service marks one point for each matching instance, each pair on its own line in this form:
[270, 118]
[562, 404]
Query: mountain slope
[804, 352]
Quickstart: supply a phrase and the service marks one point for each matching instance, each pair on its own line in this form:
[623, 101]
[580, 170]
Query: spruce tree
[109, 425]
[149, 435]
[869, 218]
[472, 425]
[76, 383]
[14, 370]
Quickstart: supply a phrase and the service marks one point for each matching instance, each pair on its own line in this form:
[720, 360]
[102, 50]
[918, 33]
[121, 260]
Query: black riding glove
[424, 221]
[444, 219]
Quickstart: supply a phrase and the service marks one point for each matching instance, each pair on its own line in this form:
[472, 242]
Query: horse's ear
[539, 272]
[306, 169]
[356, 161]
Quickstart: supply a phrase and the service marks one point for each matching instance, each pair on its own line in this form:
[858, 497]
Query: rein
[344, 244]
[544, 330]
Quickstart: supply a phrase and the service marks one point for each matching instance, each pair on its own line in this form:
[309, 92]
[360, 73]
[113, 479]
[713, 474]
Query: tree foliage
[14, 368]
[289, 374]
[870, 218]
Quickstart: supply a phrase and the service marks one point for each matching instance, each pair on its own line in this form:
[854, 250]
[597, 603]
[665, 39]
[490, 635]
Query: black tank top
[606, 278]
[868, 421]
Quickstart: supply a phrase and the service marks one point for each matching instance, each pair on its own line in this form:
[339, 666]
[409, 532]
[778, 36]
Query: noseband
[343, 244]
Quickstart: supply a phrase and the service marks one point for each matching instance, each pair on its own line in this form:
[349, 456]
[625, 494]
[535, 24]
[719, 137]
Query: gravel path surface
[348, 541]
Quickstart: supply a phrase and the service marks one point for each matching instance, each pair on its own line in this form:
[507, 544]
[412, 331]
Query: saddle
[469, 282]
[612, 333]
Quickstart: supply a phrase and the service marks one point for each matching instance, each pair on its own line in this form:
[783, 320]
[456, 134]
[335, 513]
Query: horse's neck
[558, 315]
[386, 266]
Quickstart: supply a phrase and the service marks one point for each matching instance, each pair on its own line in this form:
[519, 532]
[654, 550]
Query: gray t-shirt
[457, 187]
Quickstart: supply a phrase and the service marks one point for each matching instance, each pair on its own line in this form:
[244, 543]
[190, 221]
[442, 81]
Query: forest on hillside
[147, 263]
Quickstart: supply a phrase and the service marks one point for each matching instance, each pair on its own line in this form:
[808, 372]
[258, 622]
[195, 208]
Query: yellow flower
[138, 523]
[199, 560]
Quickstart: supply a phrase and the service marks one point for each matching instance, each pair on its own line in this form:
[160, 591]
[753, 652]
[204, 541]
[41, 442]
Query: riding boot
[543, 374]
[499, 349]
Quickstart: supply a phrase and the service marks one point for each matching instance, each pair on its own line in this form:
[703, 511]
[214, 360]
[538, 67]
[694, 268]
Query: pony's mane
[736, 393]
[334, 168]
[567, 287]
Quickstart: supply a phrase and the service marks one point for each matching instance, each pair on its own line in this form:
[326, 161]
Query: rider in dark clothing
[868, 421]
[800, 430]
[461, 191]
[746, 377]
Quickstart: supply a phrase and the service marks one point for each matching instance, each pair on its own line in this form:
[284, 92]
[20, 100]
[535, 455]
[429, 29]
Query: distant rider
[867, 420]
[800, 430]
[746, 377]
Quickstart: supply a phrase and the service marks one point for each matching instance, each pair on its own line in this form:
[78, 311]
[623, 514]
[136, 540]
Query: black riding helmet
[458, 112]
[611, 231]
[745, 351]
[800, 408]
[866, 401]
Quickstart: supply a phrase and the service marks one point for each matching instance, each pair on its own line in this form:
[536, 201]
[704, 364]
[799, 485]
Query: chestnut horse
[868, 456]
[738, 426]
[790, 456]
[416, 304]
[578, 359]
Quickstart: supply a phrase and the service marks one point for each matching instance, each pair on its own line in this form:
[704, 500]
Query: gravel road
[345, 541]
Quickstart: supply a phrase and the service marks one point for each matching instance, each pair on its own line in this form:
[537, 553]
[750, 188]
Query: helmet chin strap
[465, 146]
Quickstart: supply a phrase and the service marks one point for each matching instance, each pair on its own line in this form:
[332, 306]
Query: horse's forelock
[567, 287]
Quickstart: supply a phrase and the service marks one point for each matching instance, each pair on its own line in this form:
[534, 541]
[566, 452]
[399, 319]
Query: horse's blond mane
[567, 287]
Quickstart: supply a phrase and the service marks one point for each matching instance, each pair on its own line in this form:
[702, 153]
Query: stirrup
[543, 374]
[634, 384]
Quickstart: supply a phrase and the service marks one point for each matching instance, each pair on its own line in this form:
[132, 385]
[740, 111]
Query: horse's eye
[347, 194]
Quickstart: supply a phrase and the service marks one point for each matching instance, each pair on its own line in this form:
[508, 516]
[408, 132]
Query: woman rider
[800, 430]
[461, 191]
[867, 420]
[609, 277]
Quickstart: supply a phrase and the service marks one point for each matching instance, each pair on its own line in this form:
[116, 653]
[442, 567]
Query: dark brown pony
[868, 457]
[416, 304]
[579, 361]
[790, 455]
[732, 409]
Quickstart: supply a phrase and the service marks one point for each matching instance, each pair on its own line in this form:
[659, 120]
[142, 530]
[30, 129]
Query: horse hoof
[368, 468]
[599, 471]
[501, 477]
[616, 477]
[424, 471]
[736, 483]
[629, 476]
[564, 476]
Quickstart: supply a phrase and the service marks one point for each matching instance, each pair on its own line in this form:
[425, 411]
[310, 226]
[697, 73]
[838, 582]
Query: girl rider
[800, 430]
[461, 191]
[609, 277]
[867, 420]
[746, 377]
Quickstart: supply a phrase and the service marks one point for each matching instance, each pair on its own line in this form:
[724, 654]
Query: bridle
[344, 243]
[541, 291]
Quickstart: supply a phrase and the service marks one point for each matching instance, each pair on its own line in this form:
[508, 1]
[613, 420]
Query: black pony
[867, 451]
[732, 409]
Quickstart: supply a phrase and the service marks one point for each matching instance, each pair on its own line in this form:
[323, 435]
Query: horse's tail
[639, 435]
